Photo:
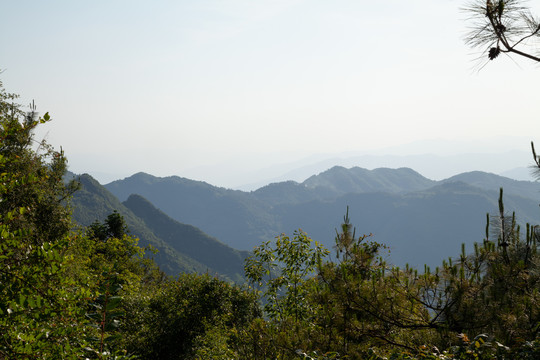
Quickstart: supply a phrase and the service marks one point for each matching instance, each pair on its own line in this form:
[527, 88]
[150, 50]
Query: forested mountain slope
[189, 240]
[174, 241]
[234, 217]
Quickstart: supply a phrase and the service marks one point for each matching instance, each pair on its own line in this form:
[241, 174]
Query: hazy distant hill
[520, 173]
[453, 158]
[489, 181]
[338, 181]
[175, 241]
[420, 219]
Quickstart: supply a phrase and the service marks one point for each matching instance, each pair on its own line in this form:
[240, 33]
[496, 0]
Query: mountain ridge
[243, 220]
[93, 202]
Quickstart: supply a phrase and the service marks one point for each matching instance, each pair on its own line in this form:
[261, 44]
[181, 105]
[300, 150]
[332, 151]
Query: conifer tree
[503, 27]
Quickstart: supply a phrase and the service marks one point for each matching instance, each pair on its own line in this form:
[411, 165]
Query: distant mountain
[423, 221]
[340, 180]
[175, 241]
[519, 173]
[489, 181]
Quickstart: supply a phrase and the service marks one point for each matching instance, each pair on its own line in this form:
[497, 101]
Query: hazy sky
[168, 87]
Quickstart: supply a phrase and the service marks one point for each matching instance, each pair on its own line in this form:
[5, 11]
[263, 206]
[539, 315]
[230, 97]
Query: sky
[215, 90]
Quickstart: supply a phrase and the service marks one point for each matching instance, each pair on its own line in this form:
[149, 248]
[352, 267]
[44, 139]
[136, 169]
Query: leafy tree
[56, 286]
[111, 264]
[108, 245]
[39, 312]
[503, 26]
[283, 270]
[194, 316]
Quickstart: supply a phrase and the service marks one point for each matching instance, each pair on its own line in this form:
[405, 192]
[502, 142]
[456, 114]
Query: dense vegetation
[70, 293]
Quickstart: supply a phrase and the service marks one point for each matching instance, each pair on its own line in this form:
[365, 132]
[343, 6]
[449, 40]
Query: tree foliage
[360, 306]
[503, 26]
[282, 270]
[187, 318]
[38, 301]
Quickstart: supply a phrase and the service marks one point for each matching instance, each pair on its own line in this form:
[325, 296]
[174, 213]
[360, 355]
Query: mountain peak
[359, 180]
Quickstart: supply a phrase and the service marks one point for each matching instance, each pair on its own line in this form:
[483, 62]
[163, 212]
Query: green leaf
[113, 302]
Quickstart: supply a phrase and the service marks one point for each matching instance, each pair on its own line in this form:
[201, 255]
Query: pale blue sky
[167, 87]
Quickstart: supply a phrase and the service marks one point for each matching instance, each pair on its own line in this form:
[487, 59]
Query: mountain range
[420, 220]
